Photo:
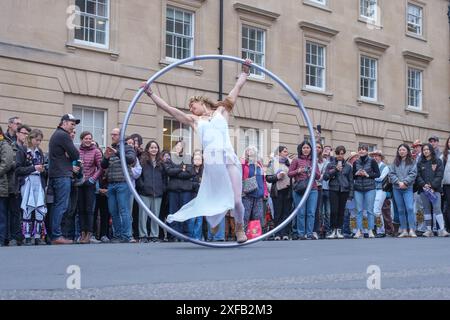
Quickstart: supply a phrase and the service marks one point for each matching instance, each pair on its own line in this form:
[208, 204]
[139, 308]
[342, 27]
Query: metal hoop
[168, 228]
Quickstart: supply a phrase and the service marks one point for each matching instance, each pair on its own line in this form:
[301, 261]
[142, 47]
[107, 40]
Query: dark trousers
[447, 206]
[282, 206]
[3, 219]
[176, 201]
[317, 221]
[86, 202]
[338, 200]
[163, 213]
[387, 217]
[14, 219]
[135, 215]
[101, 207]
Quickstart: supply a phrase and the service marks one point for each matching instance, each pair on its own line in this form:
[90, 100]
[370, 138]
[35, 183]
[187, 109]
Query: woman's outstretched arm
[234, 93]
[174, 112]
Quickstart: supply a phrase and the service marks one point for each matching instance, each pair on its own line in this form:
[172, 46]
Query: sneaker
[105, 239]
[311, 237]
[39, 242]
[339, 234]
[295, 237]
[94, 240]
[143, 240]
[380, 235]
[277, 238]
[358, 235]
[154, 239]
[412, 234]
[13, 243]
[443, 233]
[332, 235]
[285, 238]
[428, 234]
[315, 236]
[404, 234]
[371, 235]
[28, 242]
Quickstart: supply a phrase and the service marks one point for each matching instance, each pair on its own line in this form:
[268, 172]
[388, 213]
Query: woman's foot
[240, 234]
[403, 234]
[412, 234]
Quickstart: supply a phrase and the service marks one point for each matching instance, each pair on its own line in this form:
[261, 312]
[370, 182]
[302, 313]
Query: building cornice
[304, 25]
[371, 44]
[269, 15]
[417, 56]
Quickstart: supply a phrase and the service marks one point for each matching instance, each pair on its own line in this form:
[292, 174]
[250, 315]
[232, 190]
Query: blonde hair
[35, 133]
[227, 103]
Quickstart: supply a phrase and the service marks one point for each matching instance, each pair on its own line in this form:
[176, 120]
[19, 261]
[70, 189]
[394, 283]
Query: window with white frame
[368, 9]
[415, 88]
[415, 18]
[94, 23]
[179, 33]
[175, 131]
[250, 137]
[92, 120]
[368, 78]
[315, 66]
[253, 47]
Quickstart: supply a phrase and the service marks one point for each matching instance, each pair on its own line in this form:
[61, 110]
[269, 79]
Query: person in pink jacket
[91, 158]
[300, 171]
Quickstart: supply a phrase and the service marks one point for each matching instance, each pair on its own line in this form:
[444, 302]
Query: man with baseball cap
[62, 152]
[434, 140]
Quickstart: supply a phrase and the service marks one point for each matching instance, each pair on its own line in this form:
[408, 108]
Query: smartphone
[339, 163]
[319, 128]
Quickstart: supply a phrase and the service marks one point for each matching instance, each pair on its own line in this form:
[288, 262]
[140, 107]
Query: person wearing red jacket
[91, 159]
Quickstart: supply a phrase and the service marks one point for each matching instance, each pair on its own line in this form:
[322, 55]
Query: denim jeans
[309, 209]
[61, 188]
[198, 227]
[3, 215]
[119, 206]
[326, 210]
[404, 199]
[364, 201]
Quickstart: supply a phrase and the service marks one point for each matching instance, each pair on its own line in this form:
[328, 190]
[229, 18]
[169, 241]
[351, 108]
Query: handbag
[249, 185]
[386, 184]
[300, 186]
[254, 229]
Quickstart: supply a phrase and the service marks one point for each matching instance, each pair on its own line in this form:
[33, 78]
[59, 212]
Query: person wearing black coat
[150, 186]
[179, 170]
[430, 172]
[340, 176]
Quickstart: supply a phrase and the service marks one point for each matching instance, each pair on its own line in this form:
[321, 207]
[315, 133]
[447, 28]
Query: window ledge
[378, 104]
[307, 90]
[370, 23]
[424, 113]
[416, 36]
[72, 48]
[317, 5]
[266, 82]
[197, 69]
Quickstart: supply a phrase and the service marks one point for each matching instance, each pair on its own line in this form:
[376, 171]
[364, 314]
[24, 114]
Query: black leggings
[447, 206]
[338, 200]
[86, 202]
[282, 206]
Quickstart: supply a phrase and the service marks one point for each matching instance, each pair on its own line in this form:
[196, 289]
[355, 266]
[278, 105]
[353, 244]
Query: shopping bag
[254, 229]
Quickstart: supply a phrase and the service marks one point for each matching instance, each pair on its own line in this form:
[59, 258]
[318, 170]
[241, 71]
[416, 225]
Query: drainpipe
[221, 51]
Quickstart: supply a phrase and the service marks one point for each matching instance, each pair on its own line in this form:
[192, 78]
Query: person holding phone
[339, 175]
[365, 170]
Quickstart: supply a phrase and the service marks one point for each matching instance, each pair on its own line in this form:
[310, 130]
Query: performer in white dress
[221, 186]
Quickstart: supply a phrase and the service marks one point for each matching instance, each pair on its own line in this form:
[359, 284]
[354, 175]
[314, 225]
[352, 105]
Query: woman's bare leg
[236, 183]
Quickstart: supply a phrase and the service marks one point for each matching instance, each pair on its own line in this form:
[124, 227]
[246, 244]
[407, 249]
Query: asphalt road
[326, 269]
